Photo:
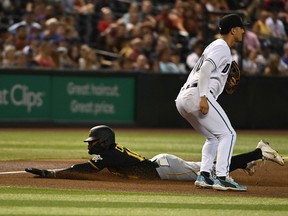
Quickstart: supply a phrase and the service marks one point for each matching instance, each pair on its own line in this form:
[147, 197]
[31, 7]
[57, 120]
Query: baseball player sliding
[122, 162]
[197, 103]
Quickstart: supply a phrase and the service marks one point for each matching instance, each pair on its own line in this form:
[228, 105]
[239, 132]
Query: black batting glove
[41, 173]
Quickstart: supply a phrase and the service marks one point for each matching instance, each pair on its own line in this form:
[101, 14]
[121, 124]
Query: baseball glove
[41, 173]
[233, 78]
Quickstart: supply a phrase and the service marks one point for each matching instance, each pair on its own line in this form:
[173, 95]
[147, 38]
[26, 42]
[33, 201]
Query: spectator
[5, 36]
[164, 24]
[49, 12]
[277, 29]
[29, 22]
[39, 12]
[175, 25]
[190, 21]
[193, 57]
[9, 56]
[193, 15]
[68, 6]
[94, 62]
[273, 67]
[126, 17]
[284, 57]
[148, 41]
[217, 5]
[133, 50]
[261, 29]
[74, 54]
[88, 59]
[176, 15]
[126, 64]
[69, 24]
[284, 60]
[107, 21]
[20, 59]
[64, 60]
[20, 38]
[249, 64]
[141, 64]
[29, 54]
[84, 56]
[146, 11]
[136, 32]
[264, 57]
[121, 34]
[44, 58]
[165, 63]
[106, 26]
[213, 18]
[137, 48]
[251, 41]
[133, 20]
[83, 9]
[161, 43]
[51, 32]
[176, 59]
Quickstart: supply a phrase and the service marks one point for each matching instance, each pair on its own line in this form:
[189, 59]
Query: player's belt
[193, 85]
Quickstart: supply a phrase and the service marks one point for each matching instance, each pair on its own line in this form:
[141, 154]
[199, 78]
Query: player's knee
[231, 135]
[159, 156]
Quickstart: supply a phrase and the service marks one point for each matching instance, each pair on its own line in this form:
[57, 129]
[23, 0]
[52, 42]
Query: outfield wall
[74, 98]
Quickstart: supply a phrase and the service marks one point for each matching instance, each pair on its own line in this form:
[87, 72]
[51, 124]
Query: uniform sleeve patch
[97, 158]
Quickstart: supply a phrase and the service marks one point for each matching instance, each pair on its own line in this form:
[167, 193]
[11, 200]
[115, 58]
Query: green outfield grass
[35, 201]
[59, 144]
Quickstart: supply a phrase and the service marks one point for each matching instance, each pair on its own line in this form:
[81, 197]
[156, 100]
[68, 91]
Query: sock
[240, 161]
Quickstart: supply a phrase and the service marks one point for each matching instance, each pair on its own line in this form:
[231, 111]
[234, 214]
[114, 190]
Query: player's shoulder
[219, 42]
[218, 45]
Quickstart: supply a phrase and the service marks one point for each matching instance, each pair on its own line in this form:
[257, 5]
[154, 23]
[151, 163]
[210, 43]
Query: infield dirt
[270, 180]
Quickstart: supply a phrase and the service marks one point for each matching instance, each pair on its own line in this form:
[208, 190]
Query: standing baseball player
[197, 103]
[123, 162]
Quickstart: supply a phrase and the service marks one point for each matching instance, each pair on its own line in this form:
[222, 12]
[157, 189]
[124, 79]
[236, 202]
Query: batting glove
[41, 173]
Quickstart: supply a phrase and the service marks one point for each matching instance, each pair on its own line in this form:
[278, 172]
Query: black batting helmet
[100, 138]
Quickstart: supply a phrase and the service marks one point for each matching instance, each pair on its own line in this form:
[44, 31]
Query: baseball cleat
[251, 168]
[204, 182]
[270, 154]
[228, 184]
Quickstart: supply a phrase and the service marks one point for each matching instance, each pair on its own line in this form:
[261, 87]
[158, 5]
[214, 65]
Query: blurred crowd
[153, 36]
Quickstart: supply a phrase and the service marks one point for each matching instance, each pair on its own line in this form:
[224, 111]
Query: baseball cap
[230, 21]
[27, 50]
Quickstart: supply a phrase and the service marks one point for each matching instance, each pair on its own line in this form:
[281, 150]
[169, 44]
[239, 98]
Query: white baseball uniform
[215, 125]
[174, 168]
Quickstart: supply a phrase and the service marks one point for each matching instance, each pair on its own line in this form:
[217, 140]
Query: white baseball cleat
[270, 154]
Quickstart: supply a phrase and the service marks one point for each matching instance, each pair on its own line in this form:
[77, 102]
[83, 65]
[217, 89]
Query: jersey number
[201, 60]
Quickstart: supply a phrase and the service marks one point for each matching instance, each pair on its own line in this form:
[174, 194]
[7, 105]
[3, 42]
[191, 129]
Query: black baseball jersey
[120, 161]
